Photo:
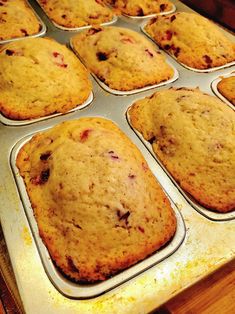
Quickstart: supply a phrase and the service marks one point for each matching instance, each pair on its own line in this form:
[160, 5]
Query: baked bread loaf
[39, 77]
[17, 20]
[72, 14]
[141, 8]
[192, 134]
[98, 207]
[226, 87]
[121, 58]
[192, 39]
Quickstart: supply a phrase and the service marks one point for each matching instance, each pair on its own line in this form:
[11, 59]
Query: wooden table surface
[1, 308]
[213, 295]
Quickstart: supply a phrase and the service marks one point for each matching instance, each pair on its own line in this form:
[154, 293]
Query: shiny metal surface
[207, 245]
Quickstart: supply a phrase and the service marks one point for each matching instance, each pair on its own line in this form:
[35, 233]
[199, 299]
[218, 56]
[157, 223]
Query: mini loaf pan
[63, 28]
[133, 91]
[12, 122]
[216, 91]
[227, 65]
[137, 17]
[75, 290]
[202, 210]
[40, 33]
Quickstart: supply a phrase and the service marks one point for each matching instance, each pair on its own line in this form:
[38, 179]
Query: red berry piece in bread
[9, 52]
[113, 155]
[127, 40]
[141, 229]
[207, 59]
[84, 135]
[163, 7]
[59, 60]
[149, 52]
[102, 56]
[24, 32]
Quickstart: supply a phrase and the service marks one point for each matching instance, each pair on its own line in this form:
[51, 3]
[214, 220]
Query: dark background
[222, 11]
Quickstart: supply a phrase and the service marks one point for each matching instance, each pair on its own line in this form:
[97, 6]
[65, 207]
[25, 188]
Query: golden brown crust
[98, 207]
[141, 8]
[17, 20]
[192, 40]
[193, 136]
[39, 77]
[72, 14]
[114, 53]
[226, 87]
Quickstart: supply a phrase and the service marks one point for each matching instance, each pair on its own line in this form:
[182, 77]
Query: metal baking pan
[150, 15]
[12, 122]
[202, 210]
[216, 91]
[131, 92]
[82, 291]
[40, 33]
[114, 20]
[196, 258]
[227, 65]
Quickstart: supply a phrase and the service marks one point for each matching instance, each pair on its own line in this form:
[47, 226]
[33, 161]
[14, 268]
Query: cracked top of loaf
[192, 134]
[121, 58]
[39, 77]
[72, 14]
[98, 206]
[192, 39]
[141, 8]
[17, 19]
